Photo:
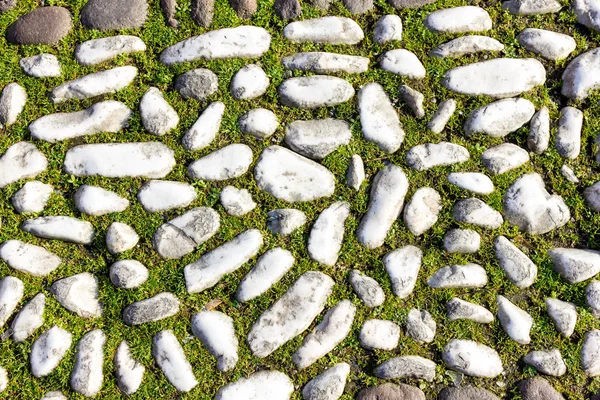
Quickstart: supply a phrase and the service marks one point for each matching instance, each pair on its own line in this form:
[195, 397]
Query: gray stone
[244, 8]
[460, 309]
[389, 390]
[12, 102]
[329, 385]
[538, 388]
[568, 174]
[539, 131]
[476, 212]
[331, 30]
[325, 63]
[463, 45]
[56, 395]
[420, 326]
[317, 138]
[32, 197]
[459, 20]
[403, 265]
[459, 276]
[378, 118]
[216, 331]
[462, 241]
[592, 196]
[6, 5]
[128, 274]
[95, 84]
[86, 377]
[429, 155]
[96, 51]
[41, 66]
[421, 212]
[400, 4]
[11, 293]
[108, 15]
[237, 202]
[19, 161]
[248, 83]
[28, 258]
[63, 228]
[472, 181]
[568, 137]
[575, 265]
[532, 7]
[228, 162]
[259, 385]
[94, 200]
[516, 265]
[406, 367]
[169, 356]
[269, 270]
[403, 63]
[78, 294]
[499, 118]
[503, 158]
[587, 13]
[158, 196]
[327, 233]
[387, 28]
[592, 297]
[516, 322]
[287, 9]
[158, 116]
[472, 359]
[206, 127]
[156, 308]
[466, 393]
[414, 100]
[355, 174]
[442, 116]
[197, 84]
[590, 353]
[563, 314]
[358, 6]
[259, 122]
[120, 238]
[169, 8]
[581, 75]
[128, 371]
[367, 289]
[48, 350]
[548, 44]
[314, 91]
[379, 334]
[546, 362]
[284, 221]
[43, 25]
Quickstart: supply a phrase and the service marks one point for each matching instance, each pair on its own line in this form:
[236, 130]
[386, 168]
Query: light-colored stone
[442, 116]
[461, 309]
[29, 258]
[413, 99]
[206, 127]
[216, 331]
[19, 161]
[29, 319]
[403, 63]
[259, 122]
[41, 66]
[420, 326]
[459, 20]
[355, 174]
[78, 294]
[94, 200]
[499, 118]
[463, 45]
[547, 362]
[459, 276]
[12, 102]
[429, 155]
[516, 322]
[539, 131]
[87, 377]
[592, 196]
[421, 211]
[582, 75]
[568, 137]
[327, 234]
[120, 237]
[96, 84]
[548, 44]
[249, 82]
[387, 28]
[575, 265]
[406, 367]
[158, 116]
[472, 359]
[155, 308]
[314, 91]
[237, 202]
[264, 384]
[95, 51]
[317, 138]
[129, 372]
[128, 274]
[532, 7]
[568, 174]
[158, 196]
[379, 334]
[475, 182]
[366, 288]
[563, 314]
[378, 118]
[231, 161]
[476, 212]
[590, 353]
[592, 297]
[462, 241]
[403, 265]
[48, 350]
[326, 63]
[587, 13]
[284, 221]
[269, 270]
[331, 30]
[503, 158]
[519, 268]
[329, 385]
[56, 395]
[171, 359]
[63, 228]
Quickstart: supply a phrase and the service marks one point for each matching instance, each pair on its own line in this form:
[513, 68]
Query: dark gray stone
[244, 8]
[538, 389]
[466, 393]
[169, 7]
[390, 391]
[358, 6]
[107, 15]
[158, 307]
[287, 9]
[197, 84]
[202, 12]
[45, 25]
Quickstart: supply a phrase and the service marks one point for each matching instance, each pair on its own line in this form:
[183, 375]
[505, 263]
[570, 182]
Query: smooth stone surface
[379, 334]
[54, 396]
[12, 102]
[461, 309]
[87, 377]
[403, 265]
[516, 322]
[547, 362]
[216, 331]
[107, 15]
[472, 359]
[466, 45]
[158, 196]
[158, 116]
[389, 390]
[459, 20]
[355, 174]
[330, 332]
[197, 84]
[366, 288]
[264, 384]
[466, 393]
[128, 274]
[563, 314]
[387, 28]
[78, 294]
[538, 388]
[503, 158]
[95, 84]
[406, 367]
[378, 118]
[548, 44]
[403, 63]
[96, 51]
[227, 258]
[582, 75]
[155, 308]
[19, 161]
[429, 155]
[568, 174]
[48, 350]
[499, 118]
[231, 161]
[41, 66]
[206, 127]
[244, 8]
[358, 6]
[287, 9]
[528, 205]
[314, 91]
[269, 270]
[420, 326]
[11, 293]
[259, 122]
[249, 82]
[568, 137]
[519, 268]
[129, 372]
[459, 276]
[291, 314]
[43, 25]
[539, 131]
[329, 385]
[317, 138]
[499, 77]
[592, 297]
[442, 115]
[331, 30]
[325, 63]
[29, 319]
[284, 221]
[237, 202]
[119, 160]
[239, 42]
[592, 196]
[590, 353]
[476, 212]
[63, 228]
[532, 7]
[464, 241]
[587, 13]
[120, 237]
[169, 356]
[421, 211]
[575, 265]
[29, 258]
[94, 200]
[475, 182]
[413, 99]
[288, 176]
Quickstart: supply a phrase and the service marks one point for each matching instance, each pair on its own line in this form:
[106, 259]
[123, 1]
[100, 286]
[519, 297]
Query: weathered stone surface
[547, 362]
[532, 7]
[503, 158]
[237, 202]
[248, 83]
[231, 161]
[329, 385]
[442, 116]
[406, 367]
[548, 44]
[19, 161]
[590, 353]
[158, 116]
[28, 258]
[462, 241]
[29, 319]
[421, 212]
[575, 265]
[332, 30]
[413, 99]
[379, 334]
[206, 127]
[472, 181]
[366, 288]
[358, 6]
[108, 15]
[459, 20]
[568, 137]
[239, 42]
[197, 84]
[120, 238]
[587, 13]
[260, 385]
[499, 118]
[429, 155]
[403, 63]
[538, 388]
[327, 234]
[466, 393]
[129, 372]
[56, 395]
[216, 331]
[169, 356]
[12, 102]
[86, 377]
[528, 205]
[94, 200]
[11, 293]
[459, 276]
[390, 390]
[157, 196]
[466, 45]
[516, 265]
[291, 315]
[568, 174]
[539, 131]
[169, 8]
[289, 176]
[43, 25]
[314, 91]
[41, 66]
[78, 294]
[287, 9]
[499, 77]
[317, 138]
[284, 221]
[592, 297]
[128, 274]
[6, 5]
[378, 118]
[259, 122]
[269, 269]
[592, 196]
[325, 63]
[563, 314]
[476, 212]
[96, 84]
[387, 28]
[582, 75]
[96, 51]
[516, 322]
[403, 265]
[227, 258]
[48, 350]
[460, 309]
[202, 12]
[67, 229]
[244, 8]
[472, 358]
[420, 326]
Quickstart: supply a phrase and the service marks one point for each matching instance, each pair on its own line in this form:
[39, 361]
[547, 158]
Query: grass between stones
[582, 231]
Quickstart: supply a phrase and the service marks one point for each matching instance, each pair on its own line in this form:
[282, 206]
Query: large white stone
[86, 378]
[459, 20]
[378, 118]
[314, 91]
[429, 155]
[48, 350]
[317, 138]
[366, 288]
[12, 102]
[516, 322]
[228, 162]
[532, 7]
[459, 276]
[78, 294]
[129, 372]
[563, 314]
[379, 334]
[504, 157]
[403, 63]
[29, 258]
[206, 127]
[466, 45]
[575, 265]
[11, 293]
[29, 319]
[249, 82]
[475, 182]
[128, 274]
[422, 210]
[327, 234]
[158, 196]
[462, 241]
[94, 200]
[96, 84]
[63, 228]
[329, 385]
[21, 160]
[41, 66]
[158, 116]
[32, 197]
[587, 13]
[259, 122]
[120, 237]
[516, 265]
[546, 362]
[217, 333]
[582, 75]
[269, 269]
[326, 63]
[499, 118]
[476, 212]
[472, 358]
[403, 265]
[171, 359]
[273, 385]
[548, 44]
[331, 30]
[387, 28]
[95, 51]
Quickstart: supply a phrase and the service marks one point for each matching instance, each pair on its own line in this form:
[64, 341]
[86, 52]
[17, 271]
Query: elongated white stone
[291, 315]
[272, 385]
[429, 155]
[129, 372]
[403, 63]
[29, 258]
[314, 91]
[11, 293]
[442, 116]
[12, 102]
[3, 379]
[466, 45]
[157, 196]
[29, 319]
[95, 51]
[217, 333]
[332, 30]
[472, 181]
[326, 63]
[96, 84]
[590, 353]
[403, 265]
[329, 385]
[327, 234]
[171, 359]
[460, 309]
[499, 118]
[94, 200]
[78, 294]
[229, 162]
[269, 269]
[459, 20]
[568, 137]
[476, 212]
[206, 127]
[516, 322]
[532, 7]
[516, 265]
[86, 378]
[21, 160]
[378, 118]
[155, 308]
[472, 358]
[63, 228]
[355, 174]
[406, 367]
[575, 265]
[582, 75]
[459, 276]
[548, 44]
[48, 350]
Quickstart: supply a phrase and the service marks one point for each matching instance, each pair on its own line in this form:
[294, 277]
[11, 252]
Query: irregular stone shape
[547, 362]
[202, 12]
[378, 118]
[54, 396]
[429, 155]
[442, 116]
[476, 212]
[466, 393]
[28, 258]
[94, 200]
[86, 378]
[206, 127]
[355, 174]
[592, 196]
[472, 359]
[420, 326]
[156, 308]
[259, 122]
[385, 202]
[367, 289]
[314, 91]
[331, 30]
[499, 118]
[329, 385]
[239, 42]
[269, 269]
[462, 241]
[6, 5]
[528, 205]
[516, 322]
[406, 367]
[129, 372]
[548, 44]
[197, 84]
[225, 259]
[48, 350]
[289, 176]
[568, 137]
[107, 15]
[358, 6]
[107, 116]
[19, 161]
[284, 221]
[158, 196]
[568, 174]
[472, 181]
[379, 334]
[516, 265]
[244, 8]
[41, 66]
[563, 314]
[237, 202]
[459, 276]
[317, 138]
[421, 212]
[248, 83]
[128, 274]
[96, 84]
[538, 388]
[96, 51]
[120, 160]
[459, 20]
[326, 63]
[532, 7]
[575, 265]
[183, 234]
[499, 77]
[291, 315]
[330, 332]
[12, 102]
[228, 162]
[539, 131]
[158, 116]
[414, 99]
[120, 238]
[29, 319]
[390, 390]
[403, 265]
[287, 9]
[78, 294]
[590, 353]
[387, 28]
[169, 356]
[216, 331]
[403, 63]
[592, 297]
[466, 45]
[503, 158]
[43, 25]
[11, 293]
[460, 309]
[260, 385]
[581, 75]
[587, 13]
[63, 228]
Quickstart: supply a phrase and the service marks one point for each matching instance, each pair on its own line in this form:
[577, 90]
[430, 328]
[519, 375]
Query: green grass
[165, 275]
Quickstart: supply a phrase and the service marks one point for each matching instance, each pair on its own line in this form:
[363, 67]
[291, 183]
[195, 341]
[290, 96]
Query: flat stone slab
[19, 161]
[406, 367]
[472, 359]
[158, 196]
[216, 331]
[78, 294]
[269, 269]
[29, 258]
[326, 63]
[314, 91]
[48, 350]
[239, 42]
[107, 15]
[41, 66]
[156, 308]
[120, 160]
[171, 359]
[228, 162]
[327, 233]
[87, 375]
[63, 228]
[291, 315]
[499, 118]
[128, 371]
[331, 30]
[317, 138]
[96, 84]
[379, 119]
[463, 45]
[96, 51]
[429, 155]
[43, 25]
[274, 385]
[548, 44]
[459, 276]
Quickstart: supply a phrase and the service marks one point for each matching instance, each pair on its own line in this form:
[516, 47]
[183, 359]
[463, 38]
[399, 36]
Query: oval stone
[315, 91]
[44, 25]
